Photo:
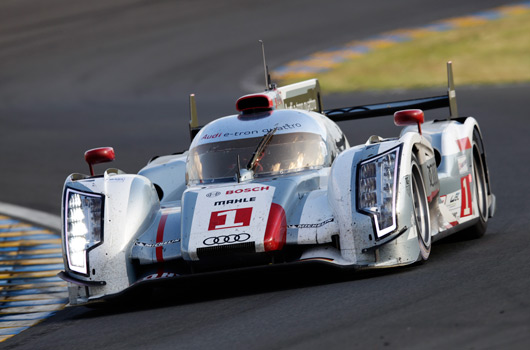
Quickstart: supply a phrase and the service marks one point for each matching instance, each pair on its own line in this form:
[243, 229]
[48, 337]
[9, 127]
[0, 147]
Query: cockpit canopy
[285, 153]
[301, 141]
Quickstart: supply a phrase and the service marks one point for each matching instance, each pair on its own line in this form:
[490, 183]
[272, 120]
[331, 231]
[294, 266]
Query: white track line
[34, 216]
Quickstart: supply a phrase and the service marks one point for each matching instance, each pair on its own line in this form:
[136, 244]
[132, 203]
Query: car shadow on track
[225, 285]
[238, 283]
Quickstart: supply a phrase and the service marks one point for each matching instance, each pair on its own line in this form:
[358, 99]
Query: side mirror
[99, 155]
[409, 117]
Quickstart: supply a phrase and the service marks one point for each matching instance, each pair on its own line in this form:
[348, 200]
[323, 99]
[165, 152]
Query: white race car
[278, 183]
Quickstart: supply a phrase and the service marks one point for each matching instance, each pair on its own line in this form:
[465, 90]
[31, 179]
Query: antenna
[268, 84]
[238, 173]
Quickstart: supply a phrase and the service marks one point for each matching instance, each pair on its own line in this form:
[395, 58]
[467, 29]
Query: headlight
[376, 194]
[83, 227]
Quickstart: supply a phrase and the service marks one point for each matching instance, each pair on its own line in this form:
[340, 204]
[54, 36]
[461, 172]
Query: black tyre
[420, 207]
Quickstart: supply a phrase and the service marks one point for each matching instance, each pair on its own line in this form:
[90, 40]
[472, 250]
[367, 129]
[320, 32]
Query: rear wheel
[481, 196]
[421, 211]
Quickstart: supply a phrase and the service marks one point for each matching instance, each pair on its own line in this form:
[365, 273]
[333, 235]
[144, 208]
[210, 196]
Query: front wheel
[420, 207]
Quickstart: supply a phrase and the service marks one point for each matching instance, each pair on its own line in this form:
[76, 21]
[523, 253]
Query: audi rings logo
[235, 238]
[213, 194]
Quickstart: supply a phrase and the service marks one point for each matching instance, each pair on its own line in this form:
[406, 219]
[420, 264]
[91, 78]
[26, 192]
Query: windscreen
[285, 153]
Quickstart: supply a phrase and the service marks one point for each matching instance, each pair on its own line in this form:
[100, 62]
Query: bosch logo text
[246, 190]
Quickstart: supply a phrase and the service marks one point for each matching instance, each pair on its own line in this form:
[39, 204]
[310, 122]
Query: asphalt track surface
[76, 75]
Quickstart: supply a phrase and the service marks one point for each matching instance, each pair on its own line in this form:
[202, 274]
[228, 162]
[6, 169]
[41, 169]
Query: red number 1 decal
[467, 204]
[230, 218]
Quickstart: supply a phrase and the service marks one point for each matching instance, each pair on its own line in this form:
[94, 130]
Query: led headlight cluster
[376, 195]
[82, 227]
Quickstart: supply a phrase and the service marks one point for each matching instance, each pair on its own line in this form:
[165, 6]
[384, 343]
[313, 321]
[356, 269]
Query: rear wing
[306, 96]
[389, 108]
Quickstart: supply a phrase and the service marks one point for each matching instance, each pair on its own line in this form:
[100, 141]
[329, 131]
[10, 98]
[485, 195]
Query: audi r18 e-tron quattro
[278, 182]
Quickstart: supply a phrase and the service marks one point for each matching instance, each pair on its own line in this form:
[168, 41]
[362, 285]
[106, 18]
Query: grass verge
[492, 52]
